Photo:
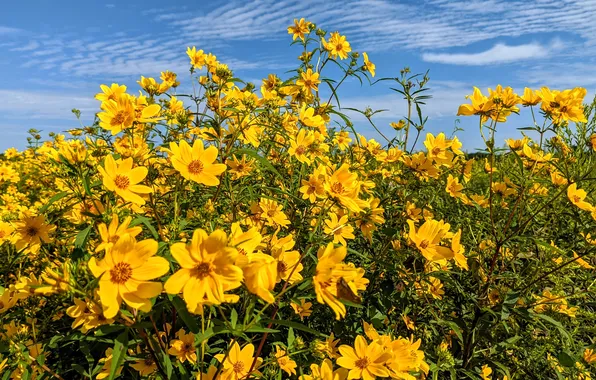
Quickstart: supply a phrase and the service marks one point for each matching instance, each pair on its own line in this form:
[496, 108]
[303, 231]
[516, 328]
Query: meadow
[242, 232]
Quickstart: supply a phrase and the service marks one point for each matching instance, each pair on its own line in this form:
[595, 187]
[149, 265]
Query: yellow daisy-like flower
[363, 360]
[30, 232]
[207, 272]
[237, 365]
[120, 177]
[124, 274]
[196, 163]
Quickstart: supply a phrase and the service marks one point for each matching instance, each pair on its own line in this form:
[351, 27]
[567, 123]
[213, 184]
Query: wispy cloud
[498, 54]
[8, 30]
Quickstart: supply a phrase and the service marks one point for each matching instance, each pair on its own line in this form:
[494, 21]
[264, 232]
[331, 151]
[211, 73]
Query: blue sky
[54, 54]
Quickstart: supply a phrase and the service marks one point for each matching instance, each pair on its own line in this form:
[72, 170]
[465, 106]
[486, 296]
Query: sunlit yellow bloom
[124, 274]
[530, 97]
[30, 232]
[110, 93]
[485, 372]
[365, 361]
[299, 29]
[337, 46]
[453, 187]
[120, 177]
[237, 365]
[110, 235]
[577, 197]
[284, 362]
[368, 65]
[428, 237]
[207, 272]
[338, 228]
[184, 347]
[196, 163]
[303, 309]
[309, 81]
[197, 58]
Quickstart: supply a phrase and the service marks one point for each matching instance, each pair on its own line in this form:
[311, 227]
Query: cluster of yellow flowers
[203, 231]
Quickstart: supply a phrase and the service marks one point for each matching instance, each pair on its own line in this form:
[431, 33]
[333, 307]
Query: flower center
[362, 363]
[436, 150]
[2, 234]
[121, 273]
[337, 188]
[339, 47]
[238, 367]
[122, 182]
[424, 244]
[202, 270]
[241, 251]
[576, 199]
[195, 167]
[271, 213]
[187, 347]
[300, 150]
[118, 118]
[281, 267]
[31, 231]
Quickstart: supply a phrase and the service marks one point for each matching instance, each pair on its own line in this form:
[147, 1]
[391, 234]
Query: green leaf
[82, 237]
[295, 325]
[557, 324]
[262, 160]
[566, 359]
[291, 337]
[234, 318]
[188, 319]
[147, 222]
[118, 354]
[52, 200]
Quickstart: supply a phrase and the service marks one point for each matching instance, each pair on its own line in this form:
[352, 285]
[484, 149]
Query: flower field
[240, 232]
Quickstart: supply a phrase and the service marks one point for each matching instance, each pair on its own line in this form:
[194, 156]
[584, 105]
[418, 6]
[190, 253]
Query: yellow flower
[197, 58]
[363, 360]
[368, 65]
[428, 237]
[481, 105]
[240, 168]
[299, 146]
[238, 363]
[406, 358]
[309, 81]
[577, 196]
[184, 347]
[284, 361]
[530, 97]
[589, 356]
[118, 114]
[303, 309]
[272, 213]
[260, 275]
[325, 372]
[31, 232]
[343, 186]
[458, 251]
[581, 262]
[453, 187]
[124, 274]
[110, 235]
[107, 365]
[485, 372]
[197, 163]
[299, 29]
[120, 177]
[207, 272]
[339, 228]
[110, 93]
[337, 46]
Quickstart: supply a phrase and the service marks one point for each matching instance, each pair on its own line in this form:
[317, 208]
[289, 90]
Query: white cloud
[110, 5]
[32, 45]
[30, 105]
[7, 30]
[498, 54]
